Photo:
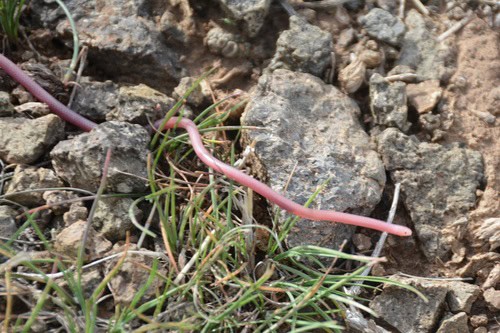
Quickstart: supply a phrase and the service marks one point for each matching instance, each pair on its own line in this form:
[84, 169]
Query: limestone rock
[24, 141]
[26, 179]
[68, 242]
[312, 130]
[80, 160]
[424, 96]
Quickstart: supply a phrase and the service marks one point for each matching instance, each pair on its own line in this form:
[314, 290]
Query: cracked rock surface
[406, 312]
[438, 184]
[24, 141]
[27, 179]
[303, 48]
[312, 130]
[80, 160]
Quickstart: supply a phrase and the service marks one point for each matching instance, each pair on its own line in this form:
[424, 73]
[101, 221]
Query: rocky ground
[359, 94]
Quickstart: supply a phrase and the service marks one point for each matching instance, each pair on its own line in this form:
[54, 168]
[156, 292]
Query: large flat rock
[312, 130]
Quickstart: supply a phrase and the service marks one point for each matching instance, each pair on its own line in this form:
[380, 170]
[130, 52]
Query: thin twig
[2, 175]
[100, 191]
[354, 317]
[356, 289]
[325, 4]
[147, 225]
[288, 8]
[405, 77]
[94, 263]
[83, 59]
[434, 278]
[401, 11]
[420, 7]
[457, 26]
[193, 259]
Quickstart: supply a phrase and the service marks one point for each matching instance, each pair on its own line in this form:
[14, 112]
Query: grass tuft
[10, 12]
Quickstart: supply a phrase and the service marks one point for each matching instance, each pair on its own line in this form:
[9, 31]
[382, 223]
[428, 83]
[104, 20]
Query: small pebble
[478, 320]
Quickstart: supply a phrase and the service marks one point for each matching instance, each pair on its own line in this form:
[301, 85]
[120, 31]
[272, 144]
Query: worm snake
[311, 214]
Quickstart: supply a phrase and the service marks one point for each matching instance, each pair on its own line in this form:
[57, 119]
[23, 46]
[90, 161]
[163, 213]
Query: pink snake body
[312, 214]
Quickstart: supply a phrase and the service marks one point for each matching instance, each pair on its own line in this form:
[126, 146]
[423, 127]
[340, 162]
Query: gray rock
[138, 104]
[384, 26]
[80, 160]
[461, 296]
[251, 12]
[454, 324]
[388, 103]
[313, 127]
[94, 100]
[123, 38]
[7, 221]
[112, 218]
[438, 183]
[407, 312]
[303, 48]
[26, 179]
[421, 52]
[24, 141]
[6, 107]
